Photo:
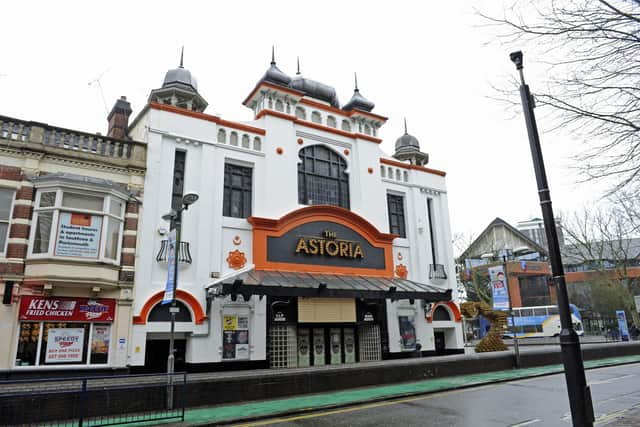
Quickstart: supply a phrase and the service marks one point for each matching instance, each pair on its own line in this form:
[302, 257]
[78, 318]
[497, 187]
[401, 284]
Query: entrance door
[157, 353]
[318, 347]
[440, 343]
[335, 337]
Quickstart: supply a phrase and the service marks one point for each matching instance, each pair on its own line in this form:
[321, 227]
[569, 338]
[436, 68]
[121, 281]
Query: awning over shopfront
[283, 284]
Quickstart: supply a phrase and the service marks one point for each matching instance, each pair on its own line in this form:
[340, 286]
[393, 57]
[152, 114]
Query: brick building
[69, 204]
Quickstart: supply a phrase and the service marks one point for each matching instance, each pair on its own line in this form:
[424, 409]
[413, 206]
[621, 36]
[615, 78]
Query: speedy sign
[67, 309]
[65, 345]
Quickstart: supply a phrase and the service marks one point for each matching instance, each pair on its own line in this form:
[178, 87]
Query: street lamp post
[175, 216]
[579, 392]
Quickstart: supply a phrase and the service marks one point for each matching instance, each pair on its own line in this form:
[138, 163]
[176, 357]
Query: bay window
[77, 224]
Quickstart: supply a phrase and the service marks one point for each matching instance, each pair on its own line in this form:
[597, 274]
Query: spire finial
[182, 57]
[298, 59]
[405, 126]
[273, 55]
[355, 77]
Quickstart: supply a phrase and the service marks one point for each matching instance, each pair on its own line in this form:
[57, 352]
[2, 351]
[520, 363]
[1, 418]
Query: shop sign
[63, 309]
[65, 345]
[325, 243]
[78, 235]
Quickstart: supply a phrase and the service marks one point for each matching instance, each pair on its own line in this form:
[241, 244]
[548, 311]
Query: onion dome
[180, 77]
[408, 148]
[358, 101]
[179, 89]
[274, 75]
[314, 89]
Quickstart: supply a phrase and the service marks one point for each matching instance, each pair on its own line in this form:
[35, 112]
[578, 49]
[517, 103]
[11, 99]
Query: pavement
[242, 413]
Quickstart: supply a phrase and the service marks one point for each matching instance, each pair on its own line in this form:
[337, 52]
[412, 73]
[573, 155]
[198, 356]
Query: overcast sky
[426, 61]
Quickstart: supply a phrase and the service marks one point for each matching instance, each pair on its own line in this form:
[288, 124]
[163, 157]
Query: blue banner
[169, 290]
[622, 325]
[499, 289]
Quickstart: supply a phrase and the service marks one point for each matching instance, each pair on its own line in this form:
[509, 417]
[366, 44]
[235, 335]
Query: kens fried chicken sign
[67, 309]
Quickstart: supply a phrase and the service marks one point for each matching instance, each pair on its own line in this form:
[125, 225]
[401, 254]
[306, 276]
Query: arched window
[222, 136]
[300, 113]
[316, 117]
[367, 130]
[346, 125]
[405, 176]
[279, 105]
[245, 141]
[441, 314]
[234, 138]
[331, 121]
[382, 171]
[160, 313]
[322, 179]
[257, 144]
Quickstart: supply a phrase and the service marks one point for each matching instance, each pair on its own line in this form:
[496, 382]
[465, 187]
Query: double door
[326, 345]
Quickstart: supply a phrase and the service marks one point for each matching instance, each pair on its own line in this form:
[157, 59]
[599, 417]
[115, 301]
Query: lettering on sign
[329, 244]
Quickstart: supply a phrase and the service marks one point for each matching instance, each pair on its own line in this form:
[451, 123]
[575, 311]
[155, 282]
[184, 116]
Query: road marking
[526, 423]
[615, 414]
[345, 410]
[612, 379]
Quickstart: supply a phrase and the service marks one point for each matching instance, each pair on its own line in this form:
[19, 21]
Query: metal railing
[437, 271]
[184, 254]
[92, 401]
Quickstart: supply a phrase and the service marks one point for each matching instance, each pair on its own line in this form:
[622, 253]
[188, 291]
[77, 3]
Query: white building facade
[308, 245]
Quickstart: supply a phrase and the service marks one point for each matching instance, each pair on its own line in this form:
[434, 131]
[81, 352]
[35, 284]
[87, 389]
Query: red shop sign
[63, 309]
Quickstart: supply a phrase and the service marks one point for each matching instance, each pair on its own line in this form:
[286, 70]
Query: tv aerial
[96, 81]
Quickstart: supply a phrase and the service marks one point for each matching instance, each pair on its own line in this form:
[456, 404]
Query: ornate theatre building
[307, 246]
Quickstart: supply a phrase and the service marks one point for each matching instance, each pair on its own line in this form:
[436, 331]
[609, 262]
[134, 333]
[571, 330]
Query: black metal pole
[173, 309]
[579, 393]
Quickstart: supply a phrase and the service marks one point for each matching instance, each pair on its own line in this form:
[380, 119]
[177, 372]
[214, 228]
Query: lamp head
[170, 216]
[516, 58]
[190, 198]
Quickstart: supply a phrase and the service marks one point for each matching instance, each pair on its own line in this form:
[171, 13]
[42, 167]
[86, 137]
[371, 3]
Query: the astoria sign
[329, 244]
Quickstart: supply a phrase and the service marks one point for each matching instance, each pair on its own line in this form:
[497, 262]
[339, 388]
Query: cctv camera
[516, 58]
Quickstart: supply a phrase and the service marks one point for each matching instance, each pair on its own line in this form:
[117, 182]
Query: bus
[540, 321]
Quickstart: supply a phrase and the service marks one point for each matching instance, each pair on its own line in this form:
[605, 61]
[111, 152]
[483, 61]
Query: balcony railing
[437, 271]
[70, 140]
[184, 255]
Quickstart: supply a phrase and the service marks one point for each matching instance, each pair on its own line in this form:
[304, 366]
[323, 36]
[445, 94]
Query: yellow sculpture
[492, 341]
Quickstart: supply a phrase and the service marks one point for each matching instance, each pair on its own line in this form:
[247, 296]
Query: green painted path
[247, 411]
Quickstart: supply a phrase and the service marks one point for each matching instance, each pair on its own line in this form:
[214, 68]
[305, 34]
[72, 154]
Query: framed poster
[235, 337]
[78, 235]
[64, 345]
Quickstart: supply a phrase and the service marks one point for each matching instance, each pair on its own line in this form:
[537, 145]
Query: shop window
[75, 224]
[395, 205]
[6, 202]
[322, 177]
[63, 343]
[237, 191]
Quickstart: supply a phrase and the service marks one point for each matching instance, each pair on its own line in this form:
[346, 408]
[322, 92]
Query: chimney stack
[119, 118]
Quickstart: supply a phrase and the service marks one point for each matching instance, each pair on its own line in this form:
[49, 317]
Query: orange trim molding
[181, 295]
[266, 227]
[457, 316]
[271, 86]
[207, 117]
[409, 166]
[267, 112]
